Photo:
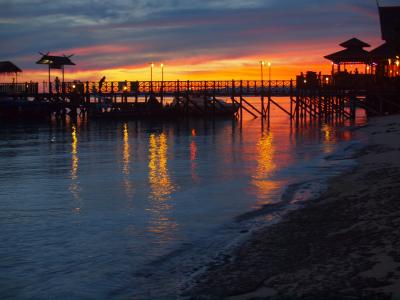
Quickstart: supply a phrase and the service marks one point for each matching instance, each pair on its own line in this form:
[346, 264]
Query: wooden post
[112, 93]
[262, 100]
[320, 105]
[291, 99]
[187, 97]
[50, 90]
[297, 105]
[213, 102]
[87, 92]
[269, 101]
[205, 98]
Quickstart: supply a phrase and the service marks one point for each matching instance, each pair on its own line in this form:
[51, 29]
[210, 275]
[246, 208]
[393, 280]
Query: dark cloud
[111, 34]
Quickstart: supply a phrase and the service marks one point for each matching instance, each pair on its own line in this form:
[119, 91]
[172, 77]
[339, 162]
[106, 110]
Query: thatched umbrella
[7, 67]
[55, 62]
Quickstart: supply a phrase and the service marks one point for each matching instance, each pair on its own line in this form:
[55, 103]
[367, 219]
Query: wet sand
[345, 245]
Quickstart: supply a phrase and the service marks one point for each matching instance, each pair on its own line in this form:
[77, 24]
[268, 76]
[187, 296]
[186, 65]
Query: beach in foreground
[345, 245]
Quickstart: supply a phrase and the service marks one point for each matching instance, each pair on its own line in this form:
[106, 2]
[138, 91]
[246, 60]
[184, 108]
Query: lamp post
[162, 82]
[262, 63]
[269, 71]
[151, 76]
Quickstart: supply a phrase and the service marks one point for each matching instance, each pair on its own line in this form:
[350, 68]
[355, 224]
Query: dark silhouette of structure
[386, 57]
[55, 62]
[7, 67]
[353, 54]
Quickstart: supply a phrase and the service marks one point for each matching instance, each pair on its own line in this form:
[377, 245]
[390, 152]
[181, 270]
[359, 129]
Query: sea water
[132, 209]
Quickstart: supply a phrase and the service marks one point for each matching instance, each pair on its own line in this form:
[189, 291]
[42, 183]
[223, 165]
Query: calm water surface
[105, 210]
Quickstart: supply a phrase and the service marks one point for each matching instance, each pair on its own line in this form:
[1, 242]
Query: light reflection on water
[128, 185]
[140, 189]
[262, 179]
[74, 186]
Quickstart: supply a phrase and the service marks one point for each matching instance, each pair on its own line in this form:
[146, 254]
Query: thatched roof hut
[55, 62]
[7, 67]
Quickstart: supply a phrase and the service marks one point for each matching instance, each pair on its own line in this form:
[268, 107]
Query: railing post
[213, 98]
[269, 100]
[87, 92]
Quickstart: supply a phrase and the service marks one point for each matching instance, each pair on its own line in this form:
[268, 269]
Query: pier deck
[322, 99]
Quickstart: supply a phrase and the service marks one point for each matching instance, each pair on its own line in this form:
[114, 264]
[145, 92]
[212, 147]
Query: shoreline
[342, 245]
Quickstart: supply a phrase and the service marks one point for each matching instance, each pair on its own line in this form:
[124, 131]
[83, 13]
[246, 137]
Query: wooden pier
[321, 99]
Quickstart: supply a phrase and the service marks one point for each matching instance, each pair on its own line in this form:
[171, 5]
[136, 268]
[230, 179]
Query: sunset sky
[220, 39]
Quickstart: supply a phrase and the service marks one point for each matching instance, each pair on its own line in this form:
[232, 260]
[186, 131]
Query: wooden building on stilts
[386, 57]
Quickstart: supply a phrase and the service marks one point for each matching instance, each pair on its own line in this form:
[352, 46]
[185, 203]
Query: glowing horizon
[245, 68]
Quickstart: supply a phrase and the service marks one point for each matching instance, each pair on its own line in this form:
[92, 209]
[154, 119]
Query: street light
[151, 71]
[269, 71]
[162, 83]
[262, 63]
[151, 76]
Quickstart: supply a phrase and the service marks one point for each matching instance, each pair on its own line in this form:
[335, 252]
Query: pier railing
[19, 88]
[170, 88]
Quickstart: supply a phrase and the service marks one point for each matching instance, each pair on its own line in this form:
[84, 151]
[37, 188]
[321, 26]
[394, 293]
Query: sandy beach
[345, 245]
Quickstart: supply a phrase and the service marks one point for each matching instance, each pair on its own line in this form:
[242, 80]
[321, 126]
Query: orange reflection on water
[160, 182]
[126, 150]
[193, 160]
[161, 187]
[74, 152]
[74, 186]
[329, 138]
[126, 160]
[266, 167]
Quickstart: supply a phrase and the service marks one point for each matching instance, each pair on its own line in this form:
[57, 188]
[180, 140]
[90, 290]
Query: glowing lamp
[73, 86]
[269, 64]
[125, 87]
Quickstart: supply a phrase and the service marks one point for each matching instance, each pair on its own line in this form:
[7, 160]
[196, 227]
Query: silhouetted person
[101, 82]
[57, 85]
[356, 71]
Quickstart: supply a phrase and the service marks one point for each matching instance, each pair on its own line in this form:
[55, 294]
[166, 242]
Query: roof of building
[349, 56]
[354, 52]
[7, 67]
[354, 43]
[55, 61]
[385, 51]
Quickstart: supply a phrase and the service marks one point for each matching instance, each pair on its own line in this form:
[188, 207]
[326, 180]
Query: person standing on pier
[57, 85]
[101, 82]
